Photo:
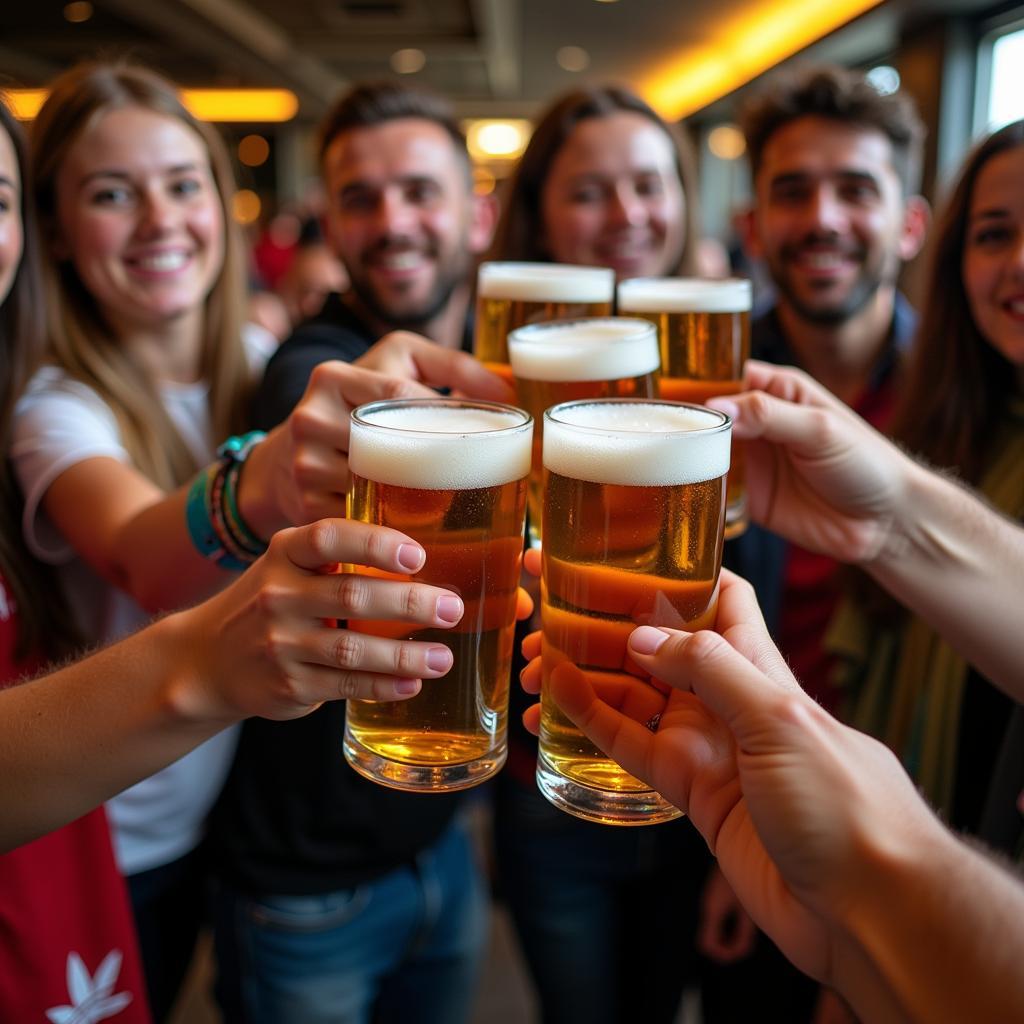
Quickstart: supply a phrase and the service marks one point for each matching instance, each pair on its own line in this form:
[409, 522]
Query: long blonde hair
[79, 341]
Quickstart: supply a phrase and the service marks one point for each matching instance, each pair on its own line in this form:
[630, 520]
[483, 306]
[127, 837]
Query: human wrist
[189, 695]
[906, 533]
[216, 526]
[902, 871]
[255, 495]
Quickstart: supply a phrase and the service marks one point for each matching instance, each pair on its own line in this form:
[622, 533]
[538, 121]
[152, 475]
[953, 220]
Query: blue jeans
[402, 949]
[606, 916]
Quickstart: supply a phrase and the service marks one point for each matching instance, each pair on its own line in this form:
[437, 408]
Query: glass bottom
[420, 778]
[605, 806]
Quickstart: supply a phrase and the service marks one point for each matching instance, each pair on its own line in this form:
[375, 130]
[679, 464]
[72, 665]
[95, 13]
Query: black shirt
[294, 818]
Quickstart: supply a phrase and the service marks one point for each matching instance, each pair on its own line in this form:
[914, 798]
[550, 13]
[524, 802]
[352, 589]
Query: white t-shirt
[59, 422]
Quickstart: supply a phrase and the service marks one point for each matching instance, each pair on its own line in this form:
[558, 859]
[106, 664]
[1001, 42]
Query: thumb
[757, 415]
[741, 695]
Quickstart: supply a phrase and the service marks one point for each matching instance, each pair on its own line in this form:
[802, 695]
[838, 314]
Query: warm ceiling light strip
[238, 105]
[750, 43]
[241, 104]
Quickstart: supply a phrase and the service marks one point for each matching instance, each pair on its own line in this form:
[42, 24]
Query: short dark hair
[840, 95]
[373, 103]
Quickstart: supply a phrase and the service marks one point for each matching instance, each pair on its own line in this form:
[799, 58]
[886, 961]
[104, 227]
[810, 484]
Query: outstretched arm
[816, 826]
[72, 739]
[823, 478]
[300, 472]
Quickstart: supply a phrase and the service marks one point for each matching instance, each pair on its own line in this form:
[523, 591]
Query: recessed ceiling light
[572, 58]
[78, 11]
[885, 79]
[246, 206]
[408, 61]
[502, 140]
[253, 150]
[727, 142]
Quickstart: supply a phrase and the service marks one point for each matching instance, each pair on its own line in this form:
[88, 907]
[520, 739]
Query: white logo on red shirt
[91, 999]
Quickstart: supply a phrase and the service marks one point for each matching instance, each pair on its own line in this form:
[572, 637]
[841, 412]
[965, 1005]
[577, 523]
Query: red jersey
[68, 952]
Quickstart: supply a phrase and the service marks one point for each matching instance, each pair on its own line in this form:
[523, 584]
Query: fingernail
[407, 686]
[411, 557]
[726, 405]
[449, 609]
[439, 659]
[646, 640]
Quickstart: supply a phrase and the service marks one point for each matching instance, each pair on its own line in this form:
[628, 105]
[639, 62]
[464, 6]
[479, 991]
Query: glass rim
[358, 416]
[547, 269]
[641, 327]
[724, 420]
[675, 289]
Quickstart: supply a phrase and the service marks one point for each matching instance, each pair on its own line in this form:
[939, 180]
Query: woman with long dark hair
[962, 410]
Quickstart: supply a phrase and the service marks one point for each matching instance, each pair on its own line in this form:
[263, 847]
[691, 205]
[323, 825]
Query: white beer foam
[440, 447]
[545, 282]
[684, 295]
[611, 348]
[638, 444]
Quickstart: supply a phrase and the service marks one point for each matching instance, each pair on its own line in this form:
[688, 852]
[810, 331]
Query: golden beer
[510, 295]
[566, 360]
[634, 503]
[704, 333]
[451, 475]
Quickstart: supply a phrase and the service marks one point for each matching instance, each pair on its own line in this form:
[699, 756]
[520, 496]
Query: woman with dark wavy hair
[963, 410]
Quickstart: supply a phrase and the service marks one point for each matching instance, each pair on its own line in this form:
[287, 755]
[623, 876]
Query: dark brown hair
[519, 235]
[957, 384]
[839, 95]
[44, 623]
[373, 103]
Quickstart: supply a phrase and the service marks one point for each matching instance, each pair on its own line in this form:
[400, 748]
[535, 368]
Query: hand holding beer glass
[634, 505]
[611, 357]
[453, 474]
[511, 295]
[704, 333]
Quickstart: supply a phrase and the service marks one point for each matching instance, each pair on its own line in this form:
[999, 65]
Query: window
[1001, 78]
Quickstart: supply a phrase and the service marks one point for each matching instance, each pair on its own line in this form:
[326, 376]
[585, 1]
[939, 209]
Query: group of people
[210, 469]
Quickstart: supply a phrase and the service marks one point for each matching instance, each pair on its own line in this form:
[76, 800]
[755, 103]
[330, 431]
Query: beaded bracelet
[211, 509]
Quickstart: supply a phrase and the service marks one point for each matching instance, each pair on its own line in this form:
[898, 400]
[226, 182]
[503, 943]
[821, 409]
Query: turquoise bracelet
[215, 526]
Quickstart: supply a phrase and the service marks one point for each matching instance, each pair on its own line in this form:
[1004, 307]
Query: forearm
[937, 936]
[162, 568]
[959, 566]
[74, 738]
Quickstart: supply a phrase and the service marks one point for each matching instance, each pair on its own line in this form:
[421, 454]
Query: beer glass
[510, 295]
[452, 475]
[634, 503]
[612, 357]
[704, 332]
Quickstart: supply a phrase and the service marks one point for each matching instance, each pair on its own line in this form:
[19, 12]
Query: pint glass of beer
[565, 360]
[510, 295]
[634, 503]
[452, 475]
[704, 332]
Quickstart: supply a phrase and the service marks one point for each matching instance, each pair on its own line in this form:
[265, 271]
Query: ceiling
[493, 57]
